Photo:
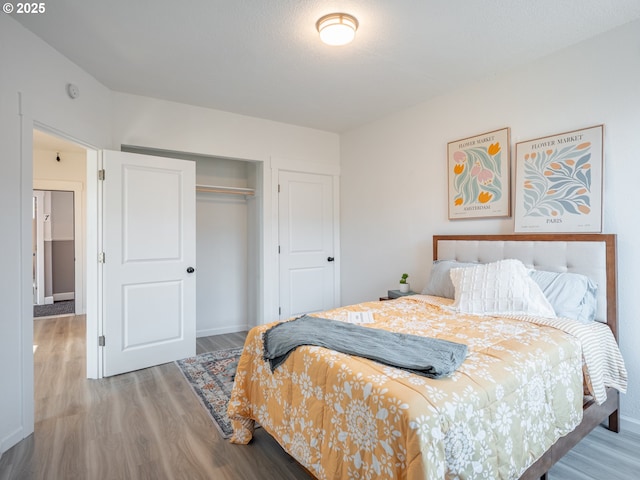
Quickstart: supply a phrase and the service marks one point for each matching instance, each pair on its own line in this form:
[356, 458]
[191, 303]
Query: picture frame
[558, 186]
[479, 178]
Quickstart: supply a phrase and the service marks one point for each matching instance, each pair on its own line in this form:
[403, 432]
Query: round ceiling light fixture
[337, 28]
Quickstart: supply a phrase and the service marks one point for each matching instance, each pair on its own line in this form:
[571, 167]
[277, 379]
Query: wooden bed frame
[593, 414]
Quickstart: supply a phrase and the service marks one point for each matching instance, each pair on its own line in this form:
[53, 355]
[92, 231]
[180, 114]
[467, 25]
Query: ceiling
[45, 141]
[263, 58]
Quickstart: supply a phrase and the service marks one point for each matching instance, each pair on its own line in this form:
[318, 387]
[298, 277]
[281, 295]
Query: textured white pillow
[502, 287]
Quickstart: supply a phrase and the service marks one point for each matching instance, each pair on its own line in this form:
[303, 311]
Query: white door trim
[93, 282]
[39, 222]
[24, 125]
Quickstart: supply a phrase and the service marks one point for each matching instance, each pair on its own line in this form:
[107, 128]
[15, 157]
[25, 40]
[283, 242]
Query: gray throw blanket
[430, 357]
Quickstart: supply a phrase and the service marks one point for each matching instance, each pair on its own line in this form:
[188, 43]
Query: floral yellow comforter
[518, 391]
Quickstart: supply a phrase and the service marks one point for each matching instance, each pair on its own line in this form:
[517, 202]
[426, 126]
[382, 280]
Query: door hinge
[101, 257]
[101, 174]
[279, 310]
[101, 341]
[278, 248]
[278, 188]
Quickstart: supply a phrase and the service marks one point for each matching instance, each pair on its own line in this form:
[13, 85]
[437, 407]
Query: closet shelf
[221, 189]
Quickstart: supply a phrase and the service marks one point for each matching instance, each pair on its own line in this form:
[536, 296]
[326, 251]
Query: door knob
[191, 270]
[330, 259]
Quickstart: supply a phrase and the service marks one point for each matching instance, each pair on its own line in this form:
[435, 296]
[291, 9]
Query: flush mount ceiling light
[337, 28]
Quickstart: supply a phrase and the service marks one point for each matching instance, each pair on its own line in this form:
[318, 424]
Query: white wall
[166, 125]
[32, 88]
[159, 124]
[394, 179]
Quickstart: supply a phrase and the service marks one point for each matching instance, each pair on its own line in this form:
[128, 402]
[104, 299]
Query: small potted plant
[404, 285]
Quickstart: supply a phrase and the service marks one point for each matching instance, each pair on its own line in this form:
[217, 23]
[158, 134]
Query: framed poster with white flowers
[559, 182]
[479, 178]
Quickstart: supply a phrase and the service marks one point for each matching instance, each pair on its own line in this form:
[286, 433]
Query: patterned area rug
[211, 378]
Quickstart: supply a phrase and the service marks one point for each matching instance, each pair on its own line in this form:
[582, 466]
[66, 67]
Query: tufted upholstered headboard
[593, 255]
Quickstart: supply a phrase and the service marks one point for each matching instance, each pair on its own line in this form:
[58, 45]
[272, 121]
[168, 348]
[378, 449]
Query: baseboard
[222, 330]
[630, 424]
[59, 297]
[10, 440]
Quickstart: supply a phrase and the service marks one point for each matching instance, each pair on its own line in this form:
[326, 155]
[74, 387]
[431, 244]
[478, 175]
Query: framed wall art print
[559, 182]
[479, 177]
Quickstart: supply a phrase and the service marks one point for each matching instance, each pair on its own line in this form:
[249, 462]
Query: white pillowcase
[502, 287]
[570, 294]
[440, 281]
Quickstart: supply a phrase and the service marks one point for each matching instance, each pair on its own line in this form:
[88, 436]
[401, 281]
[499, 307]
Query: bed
[530, 388]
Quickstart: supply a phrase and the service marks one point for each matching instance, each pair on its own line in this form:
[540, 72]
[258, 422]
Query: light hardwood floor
[149, 425]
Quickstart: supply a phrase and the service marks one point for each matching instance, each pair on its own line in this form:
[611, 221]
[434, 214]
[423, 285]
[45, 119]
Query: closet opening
[228, 240]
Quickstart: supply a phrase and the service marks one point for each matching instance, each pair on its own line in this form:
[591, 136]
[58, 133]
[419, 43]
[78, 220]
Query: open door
[149, 250]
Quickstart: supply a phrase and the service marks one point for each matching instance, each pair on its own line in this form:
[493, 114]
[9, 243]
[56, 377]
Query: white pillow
[440, 281]
[570, 294]
[502, 287]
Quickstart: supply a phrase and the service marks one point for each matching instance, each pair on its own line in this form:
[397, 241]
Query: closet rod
[220, 189]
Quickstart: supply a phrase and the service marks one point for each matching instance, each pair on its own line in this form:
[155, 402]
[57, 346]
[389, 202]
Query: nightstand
[391, 294]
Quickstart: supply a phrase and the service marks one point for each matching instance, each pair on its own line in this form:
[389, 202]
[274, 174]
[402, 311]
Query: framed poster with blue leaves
[559, 182]
[479, 176]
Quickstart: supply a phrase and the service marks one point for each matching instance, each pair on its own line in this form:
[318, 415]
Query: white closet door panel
[149, 245]
[306, 243]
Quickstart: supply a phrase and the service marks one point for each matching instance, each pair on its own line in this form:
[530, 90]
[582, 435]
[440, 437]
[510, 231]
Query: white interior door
[307, 266]
[149, 247]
